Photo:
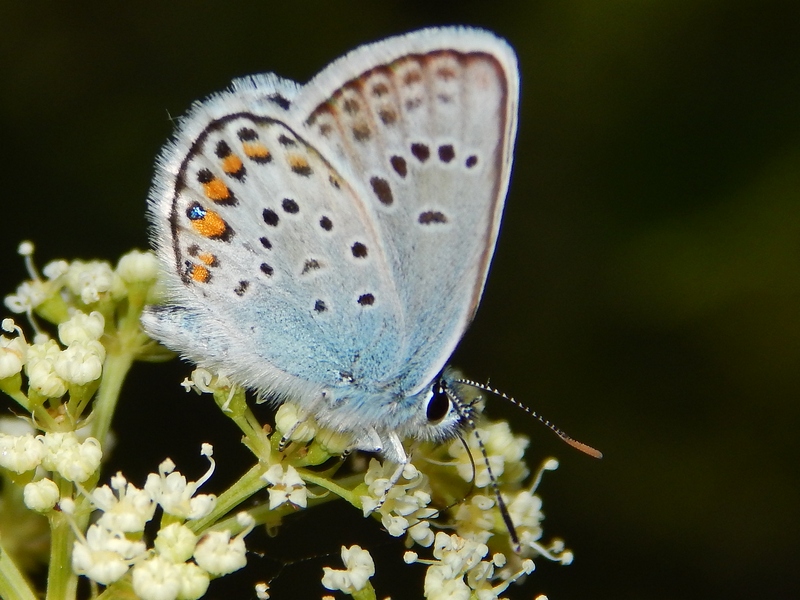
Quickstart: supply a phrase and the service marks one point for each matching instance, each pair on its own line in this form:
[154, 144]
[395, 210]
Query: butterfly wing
[425, 132]
[330, 242]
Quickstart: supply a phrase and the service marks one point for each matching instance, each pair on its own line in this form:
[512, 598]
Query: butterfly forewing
[426, 138]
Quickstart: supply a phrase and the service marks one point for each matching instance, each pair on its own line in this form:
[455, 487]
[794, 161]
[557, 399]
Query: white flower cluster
[78, 282]
[177, 497]
[459, 571]
[88, 282]
[61, 453]
[474, 519]
[51, 370]
[403, 506]
[180, 564]
[504, 451]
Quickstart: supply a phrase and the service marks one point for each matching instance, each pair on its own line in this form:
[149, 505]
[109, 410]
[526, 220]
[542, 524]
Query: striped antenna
[585, 448]
[465, 411]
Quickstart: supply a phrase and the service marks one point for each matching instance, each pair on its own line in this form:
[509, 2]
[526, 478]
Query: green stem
[365, 593]
[13, 585]
[12, 386]
[248, 484]
[344, 493]
[61, 581]
[125, 344]
[117, 364]
[233, 404]
[119, 590]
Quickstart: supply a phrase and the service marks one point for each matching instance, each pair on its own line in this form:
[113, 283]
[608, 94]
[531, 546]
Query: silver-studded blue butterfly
[329, 243]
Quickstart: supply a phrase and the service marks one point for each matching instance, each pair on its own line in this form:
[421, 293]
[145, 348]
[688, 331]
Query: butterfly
[329, 243]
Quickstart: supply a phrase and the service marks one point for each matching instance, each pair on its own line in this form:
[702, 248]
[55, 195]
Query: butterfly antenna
[466, 414]
[585, 448]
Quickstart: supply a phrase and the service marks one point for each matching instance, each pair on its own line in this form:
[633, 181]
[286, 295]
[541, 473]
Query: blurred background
[644, 293]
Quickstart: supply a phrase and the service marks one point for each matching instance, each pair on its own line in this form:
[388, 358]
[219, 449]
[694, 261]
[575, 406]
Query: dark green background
[644, 293]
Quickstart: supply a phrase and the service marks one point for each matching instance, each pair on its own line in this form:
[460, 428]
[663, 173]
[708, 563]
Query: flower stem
[344, 493]
[61, 581]
[13, 585]
[248, 484]
[116, 367]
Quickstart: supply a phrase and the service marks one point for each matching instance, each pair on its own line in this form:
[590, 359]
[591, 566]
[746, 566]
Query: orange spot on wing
[298, 162]
[255, 150]
[200, 274]
[211, 225]
[232, 164]
[208, 258]
[216, 190]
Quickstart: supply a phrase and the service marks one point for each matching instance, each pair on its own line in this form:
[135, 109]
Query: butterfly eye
[438, 405]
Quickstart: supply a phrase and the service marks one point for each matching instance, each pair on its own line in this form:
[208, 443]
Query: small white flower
[359, 568]
[40, 495]
[10, 361]
[25, 248]
[29, 295]
[160, 579]
[40, 369]
[199, 381]
[55, 269]
[285, 486]
[246, 521]
[125, 507]
[395, 526]
[176, 542]
[138, 267]
[67, 505]
[525, 510]
[170, 489]
[203, 381]
[421, 533]
[93, 279]
[13, 351]
[439, 587]
[456, 554]
[262, 591]
[481, 578]
[20, 453]
[474, 520]
[504, 451]
[73, 460]
[81, 362]
[104, 556]
[218, 554]
[295, 424]
[194, 581]
[334, 442]
[81, 328]
[402, 506]
[156, 579]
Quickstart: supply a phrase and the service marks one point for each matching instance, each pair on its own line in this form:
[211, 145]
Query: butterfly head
[444, 409]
